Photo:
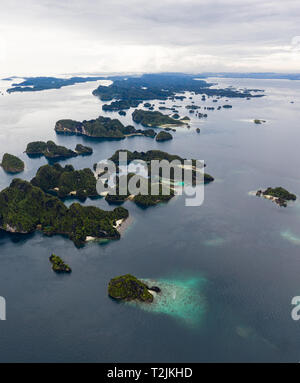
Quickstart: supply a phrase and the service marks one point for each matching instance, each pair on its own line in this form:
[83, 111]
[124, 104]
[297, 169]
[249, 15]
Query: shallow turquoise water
[181, 299]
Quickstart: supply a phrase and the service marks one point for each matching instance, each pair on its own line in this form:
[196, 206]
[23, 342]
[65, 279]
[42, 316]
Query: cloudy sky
[97, 36]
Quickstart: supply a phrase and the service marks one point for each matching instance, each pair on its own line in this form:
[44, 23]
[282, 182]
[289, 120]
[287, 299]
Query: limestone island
[83, 150]
[278, 195]
[66, 182]
[120, 105]
[12, 164]
[259, 121]
[129, 288]
[25, 208]
[58, 264]
[151, 119]
[50, 150]
[163, 136]
[101, 127]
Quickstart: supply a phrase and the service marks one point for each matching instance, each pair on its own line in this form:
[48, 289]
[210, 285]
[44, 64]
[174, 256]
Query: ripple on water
[217, 241]
[179, 298]
[291, 237]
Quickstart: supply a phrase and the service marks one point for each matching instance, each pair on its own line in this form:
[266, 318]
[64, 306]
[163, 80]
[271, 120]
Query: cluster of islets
[38, 205]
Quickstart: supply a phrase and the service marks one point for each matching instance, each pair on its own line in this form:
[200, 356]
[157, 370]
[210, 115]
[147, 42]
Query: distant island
[151, 119]
[278, 195]
[12, 164]
[58, 264]
[129, 288]
[66, 182]
[254, 75]
[102, 127]
[161, 86]
[26, 208]
[34, 84]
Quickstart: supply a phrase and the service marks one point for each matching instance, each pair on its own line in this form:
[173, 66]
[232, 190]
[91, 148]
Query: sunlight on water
[179, 298]
[290, 237]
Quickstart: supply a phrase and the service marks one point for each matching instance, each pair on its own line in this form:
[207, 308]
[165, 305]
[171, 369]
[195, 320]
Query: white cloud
[59, 36]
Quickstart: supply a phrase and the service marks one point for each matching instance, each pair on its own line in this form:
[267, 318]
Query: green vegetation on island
[120, 105]
[280, 192]
[58, 264]
[151, 119]
[101, 127]
[12, 164]
[163, 136]
[66, 181]
[147, 200]
[145, 156]
[279, 195]
[25, 208]
[83, 150]
[153, 155]
[128, 288]
[49, 149]
[162, 87]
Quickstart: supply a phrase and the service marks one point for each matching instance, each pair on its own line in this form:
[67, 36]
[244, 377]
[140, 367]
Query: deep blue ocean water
[231, 265]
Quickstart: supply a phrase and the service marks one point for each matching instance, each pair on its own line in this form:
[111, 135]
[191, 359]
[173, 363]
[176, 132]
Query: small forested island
[34, 84]
[101, 127]
[278, 195]
[120, 105]
[145, 156]
[151, 119]
[227, 106]
[50, 150]
[66, 181]
[129, 288]
[193, 107]
[25, 208]
[256, 121]
[58, 264]
[163, 136]
[12, 164]
[83, 150]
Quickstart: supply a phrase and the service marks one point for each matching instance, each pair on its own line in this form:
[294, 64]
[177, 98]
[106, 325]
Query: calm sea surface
[229, 267]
